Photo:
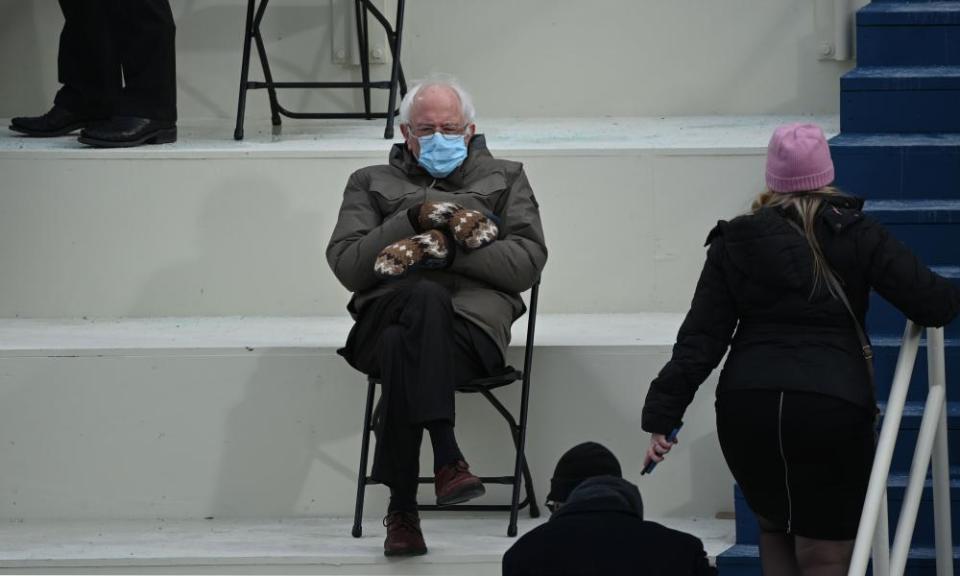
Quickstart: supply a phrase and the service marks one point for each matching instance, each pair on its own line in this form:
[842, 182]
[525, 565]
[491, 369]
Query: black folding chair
[518, 432]
[363, 9]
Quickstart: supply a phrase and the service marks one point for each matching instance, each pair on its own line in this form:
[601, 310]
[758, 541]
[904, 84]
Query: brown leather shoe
[455, 484]
[404, 537]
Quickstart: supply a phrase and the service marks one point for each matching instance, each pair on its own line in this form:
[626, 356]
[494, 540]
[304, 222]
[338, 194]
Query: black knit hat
[579, 463]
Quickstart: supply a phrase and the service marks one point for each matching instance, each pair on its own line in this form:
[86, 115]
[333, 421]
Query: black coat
[600, 531]
[758, 280]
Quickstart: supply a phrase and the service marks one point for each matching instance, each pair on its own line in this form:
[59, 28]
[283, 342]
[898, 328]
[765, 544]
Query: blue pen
[653, 464]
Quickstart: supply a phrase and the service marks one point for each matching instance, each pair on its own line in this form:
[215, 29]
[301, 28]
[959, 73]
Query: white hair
[466, 101]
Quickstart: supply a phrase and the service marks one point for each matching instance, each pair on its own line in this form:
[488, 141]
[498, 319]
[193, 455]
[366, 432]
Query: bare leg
[823, 557]
[777, 552]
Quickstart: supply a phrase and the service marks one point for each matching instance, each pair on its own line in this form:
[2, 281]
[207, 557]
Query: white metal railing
[932, 441]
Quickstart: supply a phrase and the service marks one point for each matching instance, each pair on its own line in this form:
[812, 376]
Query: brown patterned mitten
[471, 229]
[428, 250]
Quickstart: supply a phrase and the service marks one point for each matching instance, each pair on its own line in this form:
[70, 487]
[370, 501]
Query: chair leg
[364, 454]
[363, 43]
[265, 64]
[521, 446]
[531, 495]
[244, 72]
[395, 70]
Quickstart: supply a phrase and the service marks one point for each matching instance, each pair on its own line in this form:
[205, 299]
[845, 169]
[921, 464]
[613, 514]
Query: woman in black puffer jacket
[795, 405]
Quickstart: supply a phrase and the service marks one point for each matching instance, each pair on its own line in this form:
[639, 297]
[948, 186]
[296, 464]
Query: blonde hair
[807, 205]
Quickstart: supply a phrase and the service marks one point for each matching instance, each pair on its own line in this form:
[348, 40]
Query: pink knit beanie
[798, 159]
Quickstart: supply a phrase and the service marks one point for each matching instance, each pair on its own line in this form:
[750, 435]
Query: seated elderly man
[436, 247]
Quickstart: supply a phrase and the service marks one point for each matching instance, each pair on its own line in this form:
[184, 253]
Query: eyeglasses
[423, 130]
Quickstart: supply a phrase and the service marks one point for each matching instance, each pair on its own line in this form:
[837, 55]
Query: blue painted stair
[908, 34]
[899, 148]
[901, 100]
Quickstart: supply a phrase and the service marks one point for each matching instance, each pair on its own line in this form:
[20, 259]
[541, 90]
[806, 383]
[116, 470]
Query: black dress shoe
[57, 122]
[127, 131]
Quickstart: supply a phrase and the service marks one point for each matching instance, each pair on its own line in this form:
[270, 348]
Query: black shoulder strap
[838, 291]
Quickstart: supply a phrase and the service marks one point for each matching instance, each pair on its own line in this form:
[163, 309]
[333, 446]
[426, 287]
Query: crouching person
[436, 247]
[597, 527]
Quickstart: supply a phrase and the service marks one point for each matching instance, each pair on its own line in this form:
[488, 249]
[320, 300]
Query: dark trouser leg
[400, 439]
[88, 65]
[146, 36]
[422, 351]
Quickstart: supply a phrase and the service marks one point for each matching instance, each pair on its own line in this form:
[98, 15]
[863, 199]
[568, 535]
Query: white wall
[521, 58]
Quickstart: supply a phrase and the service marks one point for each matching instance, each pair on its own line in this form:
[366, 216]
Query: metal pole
[936, 368]
[918, 476]
[884, 453]
[881, 541]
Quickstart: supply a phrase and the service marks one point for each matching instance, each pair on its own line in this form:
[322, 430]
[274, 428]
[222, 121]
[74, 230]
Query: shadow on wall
[238, 257]
[299, 42]
[291, 444]
[34, 29]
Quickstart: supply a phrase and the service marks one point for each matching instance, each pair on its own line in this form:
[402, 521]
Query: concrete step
[463, 544]
[924, 98]
[910, 211]
[744, 560]
[209, 226]
[897, 33]
[883, 319]
[931, 228]
[910, 430]
[259, 418]
[898, 166]
[885, 351]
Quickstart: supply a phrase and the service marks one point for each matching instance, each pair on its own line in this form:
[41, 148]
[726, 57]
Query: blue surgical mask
[440, 154]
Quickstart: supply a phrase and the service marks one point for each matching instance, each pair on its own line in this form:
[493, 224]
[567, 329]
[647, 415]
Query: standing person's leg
[777, 550]
[823, 557]
[88, 66]
[148, 42]
[748, 426]
[832, 455]
[146, 112]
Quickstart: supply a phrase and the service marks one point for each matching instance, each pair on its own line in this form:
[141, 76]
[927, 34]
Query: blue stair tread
[909, 13]
[944, 211]
[894, 342]
[913, 412]
[899, 481]
[901, 78]
[951, 272]
[748, 554]
[887, 140]
[752, 551]
[741, 551]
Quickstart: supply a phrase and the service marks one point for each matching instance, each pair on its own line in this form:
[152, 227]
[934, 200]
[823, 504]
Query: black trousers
[421, 351]
[117, 58]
